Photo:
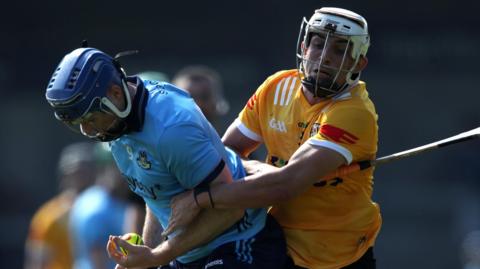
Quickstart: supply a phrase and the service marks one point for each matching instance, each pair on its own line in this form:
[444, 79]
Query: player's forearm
[306, 166]
[254, 167]
[267, 191]
[134, 219]
[258, 190]
[152, 230]
[205, 227]
[264, 189]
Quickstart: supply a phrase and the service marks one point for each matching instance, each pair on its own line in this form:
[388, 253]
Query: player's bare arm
[238, 142]
[243, 146]
[307, 165]
[205, 225]
[255, 166]
[178, 220]
[152, 230]
[304, 160]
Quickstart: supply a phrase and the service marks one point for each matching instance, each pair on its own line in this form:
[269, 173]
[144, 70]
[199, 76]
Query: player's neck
[310, 98]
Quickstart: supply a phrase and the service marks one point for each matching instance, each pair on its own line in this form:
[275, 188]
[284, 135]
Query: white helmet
[339, 23]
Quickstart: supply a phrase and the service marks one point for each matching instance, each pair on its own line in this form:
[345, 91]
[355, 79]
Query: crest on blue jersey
[142, 160]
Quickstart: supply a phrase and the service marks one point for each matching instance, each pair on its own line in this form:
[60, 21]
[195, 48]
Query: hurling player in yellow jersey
[312, 120]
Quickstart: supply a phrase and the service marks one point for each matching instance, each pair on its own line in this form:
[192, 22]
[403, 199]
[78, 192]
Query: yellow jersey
[49, 232]
[334, 222]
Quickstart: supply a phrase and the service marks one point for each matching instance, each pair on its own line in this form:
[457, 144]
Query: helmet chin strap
[128, 100]
[119, 126]
[108, 136]
[311, 85]
[116, 129]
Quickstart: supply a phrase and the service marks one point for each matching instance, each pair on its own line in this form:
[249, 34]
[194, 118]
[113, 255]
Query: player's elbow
[289, 188]
[285, 193]
[282, 192]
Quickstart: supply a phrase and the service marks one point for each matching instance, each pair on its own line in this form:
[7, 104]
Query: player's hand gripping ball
[133, 239]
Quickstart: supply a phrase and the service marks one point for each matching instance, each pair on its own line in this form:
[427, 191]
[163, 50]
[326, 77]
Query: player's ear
[116, 95]
[362, 63]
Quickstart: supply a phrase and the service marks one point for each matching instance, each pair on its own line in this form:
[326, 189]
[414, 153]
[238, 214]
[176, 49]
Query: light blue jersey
[174, 150]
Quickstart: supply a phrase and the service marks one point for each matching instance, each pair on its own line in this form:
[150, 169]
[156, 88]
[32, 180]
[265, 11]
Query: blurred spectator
[48, 242]
[205, 86]
[103, 209]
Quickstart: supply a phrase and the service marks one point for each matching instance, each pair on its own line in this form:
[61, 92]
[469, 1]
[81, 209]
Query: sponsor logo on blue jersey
[141, 189]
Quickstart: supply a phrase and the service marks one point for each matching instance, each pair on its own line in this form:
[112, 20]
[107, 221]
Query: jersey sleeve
[248, 120]
[189, 154]
[349, 131]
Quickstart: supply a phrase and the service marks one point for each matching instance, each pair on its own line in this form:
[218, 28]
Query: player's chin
[327, 83]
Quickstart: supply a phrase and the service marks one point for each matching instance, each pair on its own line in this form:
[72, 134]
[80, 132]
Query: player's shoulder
[161, 91]
[281, 79]
[354, 101]
[282, 75]
[168, 104]
[355, 96]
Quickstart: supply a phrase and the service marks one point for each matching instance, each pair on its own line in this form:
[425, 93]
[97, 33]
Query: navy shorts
[267, 249]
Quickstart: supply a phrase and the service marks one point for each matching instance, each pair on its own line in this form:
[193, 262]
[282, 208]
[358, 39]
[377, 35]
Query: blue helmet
[80, 82]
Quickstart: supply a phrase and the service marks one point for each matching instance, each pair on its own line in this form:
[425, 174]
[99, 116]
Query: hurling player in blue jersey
[163, 145]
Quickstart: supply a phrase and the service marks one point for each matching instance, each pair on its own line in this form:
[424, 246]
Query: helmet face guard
[79, 85]
[113, 131]
[341, 34]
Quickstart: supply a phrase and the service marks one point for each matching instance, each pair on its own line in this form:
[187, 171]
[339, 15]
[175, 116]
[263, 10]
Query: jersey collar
[137, 116]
